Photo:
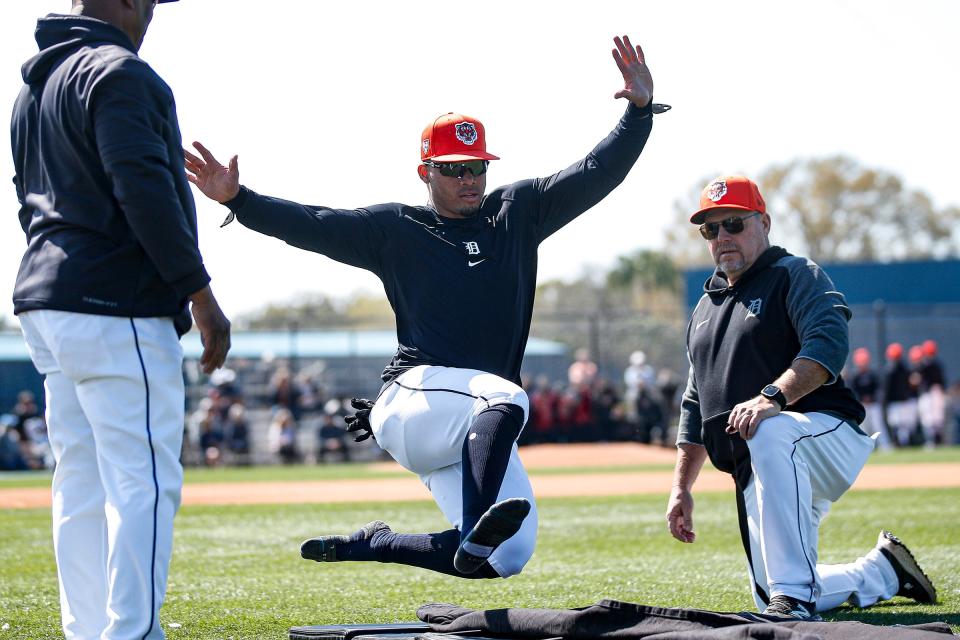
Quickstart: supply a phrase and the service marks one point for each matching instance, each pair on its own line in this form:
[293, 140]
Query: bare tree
[835, 210]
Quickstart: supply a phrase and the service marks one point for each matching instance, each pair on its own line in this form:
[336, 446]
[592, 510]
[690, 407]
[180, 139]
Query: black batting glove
[359, 423]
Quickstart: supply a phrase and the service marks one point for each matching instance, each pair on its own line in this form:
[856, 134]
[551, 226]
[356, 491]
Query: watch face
[770, 390]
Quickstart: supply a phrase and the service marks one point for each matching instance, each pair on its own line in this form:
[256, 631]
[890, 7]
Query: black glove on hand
[359, 423]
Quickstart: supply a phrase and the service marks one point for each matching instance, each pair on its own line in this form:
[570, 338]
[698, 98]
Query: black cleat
[787, 607]
[498, 524]
[914, 583]
[324, 548]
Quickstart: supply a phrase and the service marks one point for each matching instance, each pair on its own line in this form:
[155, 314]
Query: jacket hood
[59, 36]
[717, 283]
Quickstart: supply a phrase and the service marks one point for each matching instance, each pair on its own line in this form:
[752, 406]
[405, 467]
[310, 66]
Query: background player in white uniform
[765, 401]
[865, 383]
[111, 262]
[460, 274]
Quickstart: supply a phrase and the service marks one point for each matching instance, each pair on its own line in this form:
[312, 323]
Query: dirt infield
[607, 483]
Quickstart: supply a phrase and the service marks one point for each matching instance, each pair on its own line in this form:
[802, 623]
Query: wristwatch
[772, 392]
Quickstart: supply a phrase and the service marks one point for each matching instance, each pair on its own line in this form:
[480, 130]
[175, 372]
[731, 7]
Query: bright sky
[325, 101]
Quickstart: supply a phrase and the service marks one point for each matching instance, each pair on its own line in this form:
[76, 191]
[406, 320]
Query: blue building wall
[905, 302]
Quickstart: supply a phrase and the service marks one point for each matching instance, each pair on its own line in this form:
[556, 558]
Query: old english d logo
[753, 309]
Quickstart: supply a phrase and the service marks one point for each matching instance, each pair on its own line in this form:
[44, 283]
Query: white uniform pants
[932, 408]
[873, 423]
[422, 418]
[801, 464]
[115, 402]
[902, 418]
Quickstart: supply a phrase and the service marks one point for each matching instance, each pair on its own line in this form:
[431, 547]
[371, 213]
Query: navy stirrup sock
[433, 551]
[486, 454]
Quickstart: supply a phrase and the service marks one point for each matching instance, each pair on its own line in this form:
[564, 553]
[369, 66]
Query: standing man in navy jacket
[103, 295]
[460, 274]
[765, 401]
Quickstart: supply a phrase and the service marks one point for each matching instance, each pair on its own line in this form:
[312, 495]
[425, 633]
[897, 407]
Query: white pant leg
[446, 487]
[801, 463]
[903, 418]
[863, 582]
[79, 526]
[422, 419]
[127, 376]
[931, 406]
[874, 424]
[756, 572]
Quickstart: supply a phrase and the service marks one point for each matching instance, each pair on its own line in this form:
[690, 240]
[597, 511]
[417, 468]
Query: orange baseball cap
[454, 137]
[861, 357]
[929, 348]
[729, 192]
[894, 351]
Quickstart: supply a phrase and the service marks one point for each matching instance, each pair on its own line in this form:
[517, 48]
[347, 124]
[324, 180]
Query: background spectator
[282, 436]
[931, 403]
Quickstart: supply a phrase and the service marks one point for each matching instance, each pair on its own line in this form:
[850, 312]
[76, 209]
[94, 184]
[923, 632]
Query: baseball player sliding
[460, 275]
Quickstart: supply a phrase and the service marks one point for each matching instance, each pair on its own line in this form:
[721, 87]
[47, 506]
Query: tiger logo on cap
[717, 190]
[466, 132]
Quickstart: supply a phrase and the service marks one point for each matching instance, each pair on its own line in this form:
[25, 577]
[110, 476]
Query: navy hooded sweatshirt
[109, 219]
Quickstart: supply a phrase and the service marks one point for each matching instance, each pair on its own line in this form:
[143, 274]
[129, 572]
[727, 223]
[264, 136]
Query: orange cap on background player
[861, 357]
[454, 137]
[894, 351]
[729, 192]
[929, 348]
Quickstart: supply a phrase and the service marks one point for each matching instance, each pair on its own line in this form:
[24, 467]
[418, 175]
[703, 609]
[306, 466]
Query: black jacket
[108, 214]
[741, 337]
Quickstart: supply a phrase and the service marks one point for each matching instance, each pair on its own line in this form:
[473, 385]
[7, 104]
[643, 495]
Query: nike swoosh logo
[470, 263]
[700, 324]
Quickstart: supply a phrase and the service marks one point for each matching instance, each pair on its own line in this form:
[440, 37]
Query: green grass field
[236, 571]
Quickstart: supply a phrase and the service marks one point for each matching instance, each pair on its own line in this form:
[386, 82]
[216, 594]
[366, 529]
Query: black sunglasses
[458, 169]
[732, 225]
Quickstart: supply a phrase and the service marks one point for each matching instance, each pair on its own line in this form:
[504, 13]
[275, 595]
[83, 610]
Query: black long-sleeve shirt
[108, 214]
[462, 289]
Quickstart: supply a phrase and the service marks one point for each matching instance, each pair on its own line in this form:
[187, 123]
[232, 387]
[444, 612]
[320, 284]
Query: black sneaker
[914, 583]
[324, 548]
[787, 607]
[498, 524]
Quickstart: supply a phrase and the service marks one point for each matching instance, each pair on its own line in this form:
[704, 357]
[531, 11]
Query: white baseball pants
[803, 462]
[422, 418]
[115, 404]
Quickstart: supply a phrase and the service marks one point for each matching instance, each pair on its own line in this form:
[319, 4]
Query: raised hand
[214, 180]
[637, 81]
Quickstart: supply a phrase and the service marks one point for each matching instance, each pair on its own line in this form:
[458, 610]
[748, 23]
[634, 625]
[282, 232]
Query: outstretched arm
[346, 235]
[568, 193]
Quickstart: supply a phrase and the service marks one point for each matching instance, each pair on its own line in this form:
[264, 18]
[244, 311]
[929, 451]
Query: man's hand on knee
[747, 416]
